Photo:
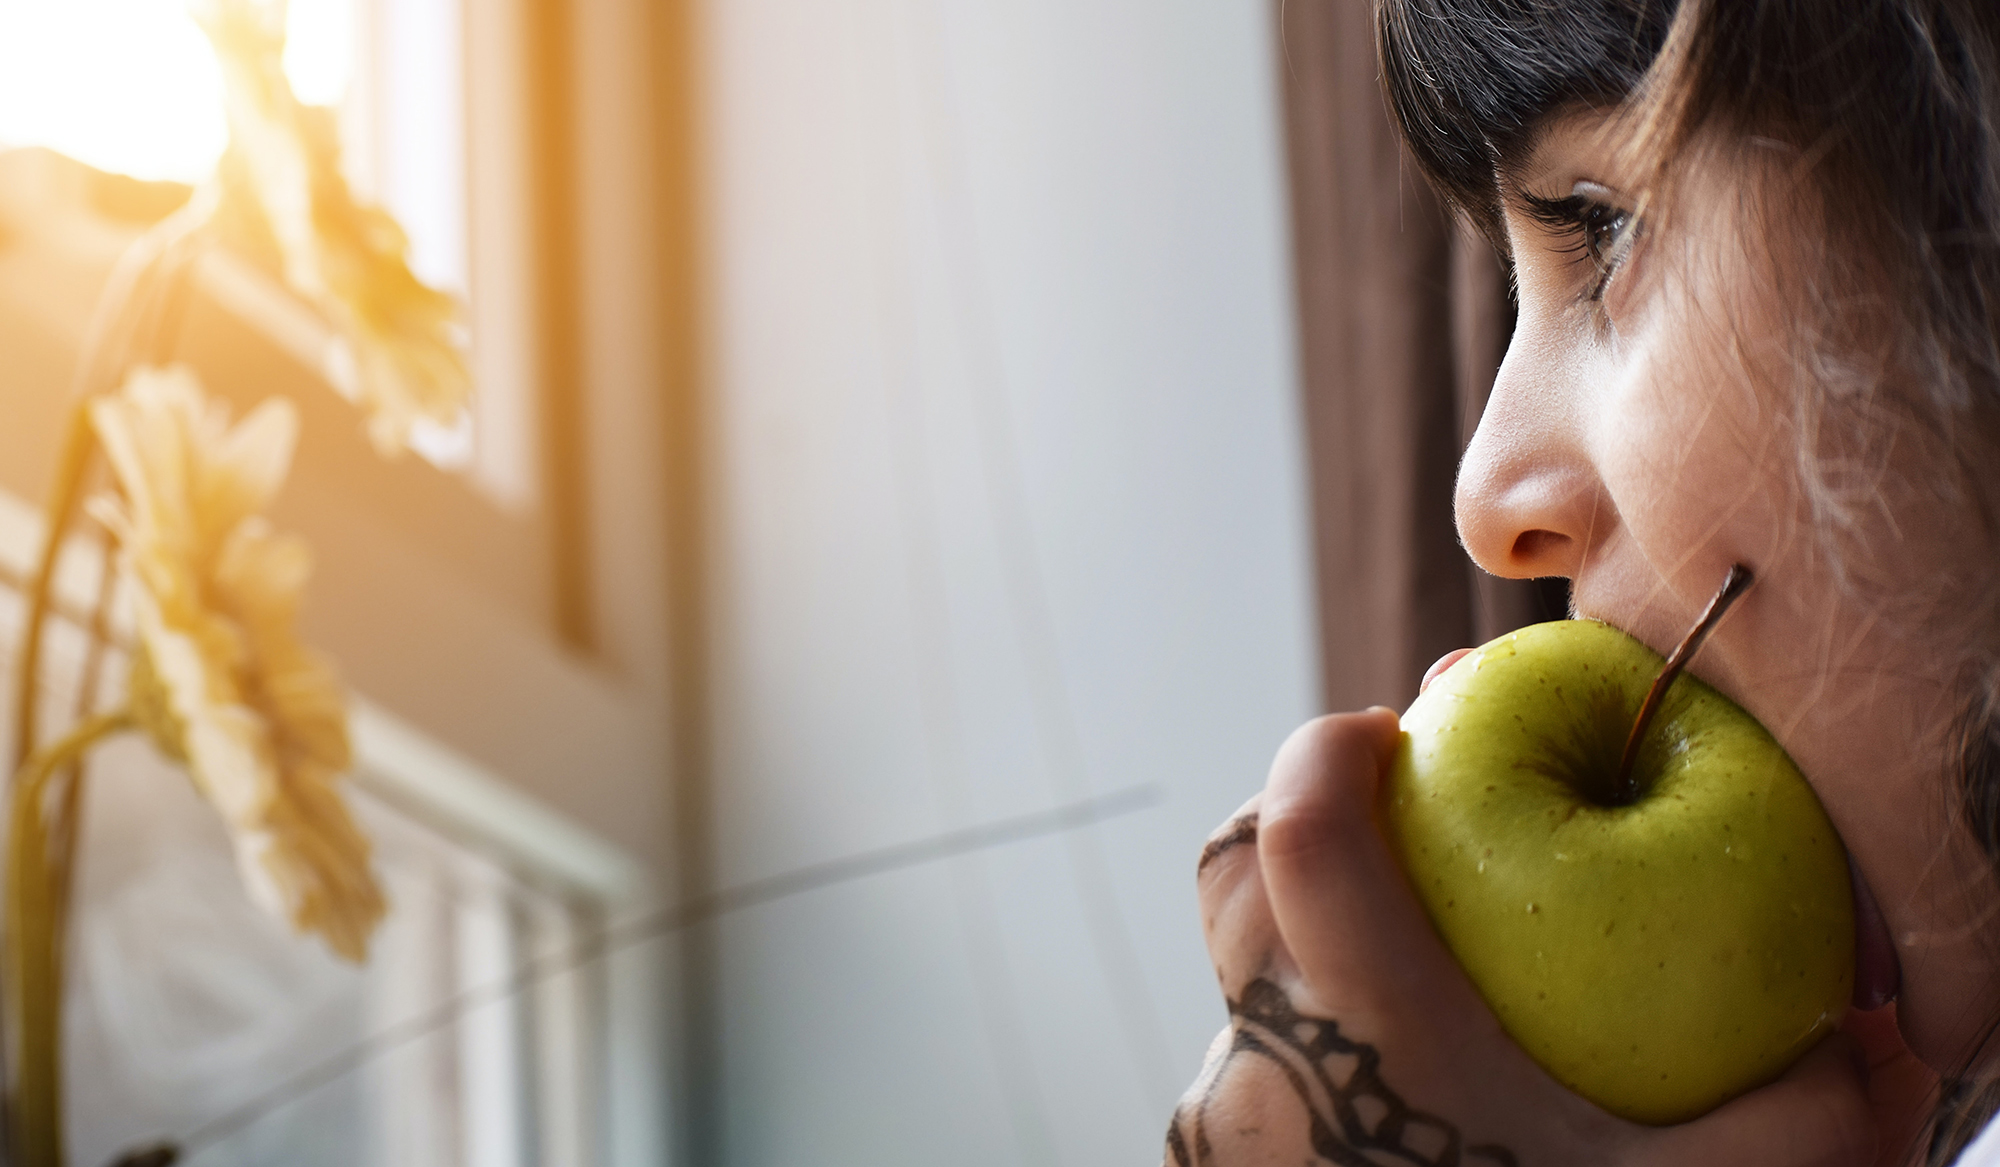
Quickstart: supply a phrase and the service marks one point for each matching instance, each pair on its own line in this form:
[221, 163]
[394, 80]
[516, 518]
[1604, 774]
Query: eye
[1599, 233]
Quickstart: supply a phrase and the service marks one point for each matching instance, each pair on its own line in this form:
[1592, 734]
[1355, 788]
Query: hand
[1354, 1037]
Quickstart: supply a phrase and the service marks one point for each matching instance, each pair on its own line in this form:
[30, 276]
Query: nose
[1529, 501]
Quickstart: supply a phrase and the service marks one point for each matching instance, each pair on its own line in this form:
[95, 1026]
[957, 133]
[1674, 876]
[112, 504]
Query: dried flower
[282, 187]
[220, 678]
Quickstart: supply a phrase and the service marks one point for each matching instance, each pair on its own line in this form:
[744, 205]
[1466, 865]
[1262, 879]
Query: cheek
[1695, 457]
[1699, 470]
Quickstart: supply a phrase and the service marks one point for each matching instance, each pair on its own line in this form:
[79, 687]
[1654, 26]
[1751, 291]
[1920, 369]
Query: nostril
[1538, 546]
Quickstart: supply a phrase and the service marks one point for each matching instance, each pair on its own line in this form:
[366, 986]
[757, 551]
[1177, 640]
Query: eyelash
[1600, 233]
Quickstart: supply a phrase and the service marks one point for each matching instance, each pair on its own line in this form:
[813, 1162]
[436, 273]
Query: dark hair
[1469, 82]
[1890, 110]
[1894, 99]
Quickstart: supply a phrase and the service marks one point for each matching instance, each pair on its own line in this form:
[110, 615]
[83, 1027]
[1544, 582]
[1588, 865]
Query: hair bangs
[1469, 79]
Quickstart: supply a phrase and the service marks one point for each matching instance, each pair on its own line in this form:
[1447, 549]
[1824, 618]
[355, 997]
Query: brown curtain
[1404, 317]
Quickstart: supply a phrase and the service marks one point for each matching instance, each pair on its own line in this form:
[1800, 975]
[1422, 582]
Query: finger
[1184, 1132]
[1247, 1111]
[1235, 919]
[1340, 900]
[1236, 923]
[1238, 834]
[1817, 1115]
[1227, 884]
[1437, 670]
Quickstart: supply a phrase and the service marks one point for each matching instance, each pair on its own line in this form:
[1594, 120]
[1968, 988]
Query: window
[515, 777]
[130, 87]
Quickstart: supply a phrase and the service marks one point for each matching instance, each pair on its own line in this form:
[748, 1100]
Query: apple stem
[1733, 586]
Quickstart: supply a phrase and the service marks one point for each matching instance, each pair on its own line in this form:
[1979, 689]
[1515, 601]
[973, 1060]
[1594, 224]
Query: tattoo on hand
[1355, 1119]
[1241, 830]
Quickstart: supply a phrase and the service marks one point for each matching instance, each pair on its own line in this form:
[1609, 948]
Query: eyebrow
[1511, 169]
[1512, 181]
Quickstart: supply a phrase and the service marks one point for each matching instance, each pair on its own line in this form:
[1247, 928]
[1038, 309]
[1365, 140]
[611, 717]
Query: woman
[1756, 248]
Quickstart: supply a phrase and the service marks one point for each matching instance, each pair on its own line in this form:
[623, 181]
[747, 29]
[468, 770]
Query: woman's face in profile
[1642, 436]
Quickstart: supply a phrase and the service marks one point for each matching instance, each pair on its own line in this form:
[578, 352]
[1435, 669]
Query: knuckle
[1337, 744]
[1315, 737]
[1290, 831]
[1324, 774]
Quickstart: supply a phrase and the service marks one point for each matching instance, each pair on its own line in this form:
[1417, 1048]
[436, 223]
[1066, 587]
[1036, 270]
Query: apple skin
[1657, 958]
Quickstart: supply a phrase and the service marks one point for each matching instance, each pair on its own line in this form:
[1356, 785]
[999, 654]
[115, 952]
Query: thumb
[1816, 1115]
[1341, 902]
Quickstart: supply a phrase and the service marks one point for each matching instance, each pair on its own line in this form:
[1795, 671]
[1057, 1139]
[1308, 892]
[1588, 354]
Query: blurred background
[927, 454]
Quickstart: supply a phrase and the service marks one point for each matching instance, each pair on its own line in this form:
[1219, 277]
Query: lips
[1444, 662]
[1877, 974]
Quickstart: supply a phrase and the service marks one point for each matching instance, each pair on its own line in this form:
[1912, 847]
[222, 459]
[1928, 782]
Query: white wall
[1008, 513]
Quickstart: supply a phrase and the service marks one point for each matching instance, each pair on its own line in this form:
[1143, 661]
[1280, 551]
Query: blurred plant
[282, 192]
[219, 680]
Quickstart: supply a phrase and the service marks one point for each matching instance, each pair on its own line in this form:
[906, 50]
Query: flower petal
[258, 718]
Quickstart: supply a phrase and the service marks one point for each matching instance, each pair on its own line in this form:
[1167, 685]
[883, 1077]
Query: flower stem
[78, 444]
[136, 316]
[66, 826]
[133, 320]
[31, 957]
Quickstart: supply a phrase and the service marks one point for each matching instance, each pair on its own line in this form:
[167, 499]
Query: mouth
[1877, 973]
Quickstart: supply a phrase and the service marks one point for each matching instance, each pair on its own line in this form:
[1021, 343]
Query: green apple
[1658, 948]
